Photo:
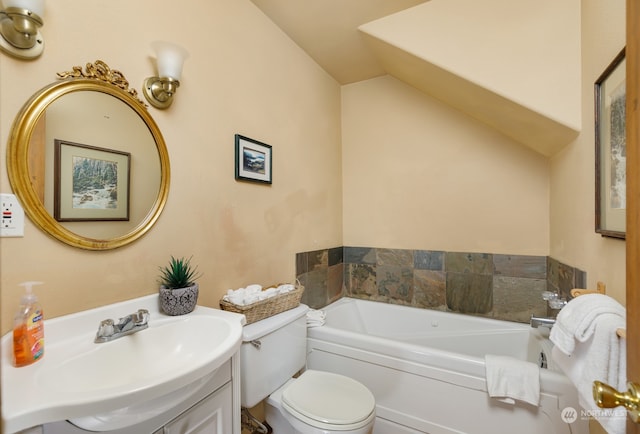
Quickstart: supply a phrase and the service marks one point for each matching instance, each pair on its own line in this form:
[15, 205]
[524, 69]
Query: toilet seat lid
[325, 398]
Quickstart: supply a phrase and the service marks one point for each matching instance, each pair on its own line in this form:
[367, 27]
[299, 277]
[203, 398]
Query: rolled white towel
[286, 287]
[315, 318]
[244, 296]
[270, 292]
[252, 298]
[253, 289]
[237, 299]
[254, 293]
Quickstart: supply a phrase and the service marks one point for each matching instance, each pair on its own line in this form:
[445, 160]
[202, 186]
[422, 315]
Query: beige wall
[419, 174]
[573, 238]
[410, 172]
[244, 76]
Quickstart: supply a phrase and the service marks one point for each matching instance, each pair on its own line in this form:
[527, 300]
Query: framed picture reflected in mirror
[90, 183]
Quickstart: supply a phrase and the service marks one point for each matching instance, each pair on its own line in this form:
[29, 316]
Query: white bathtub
[426, 369]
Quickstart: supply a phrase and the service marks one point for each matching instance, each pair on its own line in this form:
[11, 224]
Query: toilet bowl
[320, 402]
[315, 402]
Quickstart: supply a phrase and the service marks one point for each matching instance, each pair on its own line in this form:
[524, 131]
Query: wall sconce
[159, 90]
[20, 21]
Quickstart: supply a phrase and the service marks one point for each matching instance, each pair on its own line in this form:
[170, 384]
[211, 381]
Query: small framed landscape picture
[253, 160]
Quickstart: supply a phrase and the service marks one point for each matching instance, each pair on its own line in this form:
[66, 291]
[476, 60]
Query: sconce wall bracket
[159, 91]
[20, 34]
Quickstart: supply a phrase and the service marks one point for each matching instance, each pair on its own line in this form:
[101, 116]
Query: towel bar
[600, 289]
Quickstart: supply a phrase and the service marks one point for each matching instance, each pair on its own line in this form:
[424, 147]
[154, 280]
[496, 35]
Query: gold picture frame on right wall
[611, 155]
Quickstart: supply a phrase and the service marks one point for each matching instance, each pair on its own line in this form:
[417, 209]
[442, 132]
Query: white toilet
[316, 402]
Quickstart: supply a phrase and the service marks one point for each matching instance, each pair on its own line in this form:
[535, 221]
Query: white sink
[78, 378]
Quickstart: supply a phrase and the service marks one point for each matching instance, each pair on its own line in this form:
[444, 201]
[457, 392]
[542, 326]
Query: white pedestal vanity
[179, 375]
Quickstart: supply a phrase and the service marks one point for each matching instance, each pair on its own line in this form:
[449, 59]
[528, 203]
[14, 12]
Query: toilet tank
[272, 351]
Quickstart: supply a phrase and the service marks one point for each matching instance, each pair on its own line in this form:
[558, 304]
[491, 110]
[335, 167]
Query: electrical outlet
[12, 216]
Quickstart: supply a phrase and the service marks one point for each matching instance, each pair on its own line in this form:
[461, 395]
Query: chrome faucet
[108, 330]
[542, 322]
[554, 302]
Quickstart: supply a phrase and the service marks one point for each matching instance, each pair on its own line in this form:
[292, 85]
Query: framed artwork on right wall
[611, 152]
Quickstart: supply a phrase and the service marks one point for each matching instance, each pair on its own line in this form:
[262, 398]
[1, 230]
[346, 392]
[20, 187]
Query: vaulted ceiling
[512, 65]
[328, 31]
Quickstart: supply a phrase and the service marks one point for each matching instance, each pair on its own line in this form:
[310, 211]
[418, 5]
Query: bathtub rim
[442, 360]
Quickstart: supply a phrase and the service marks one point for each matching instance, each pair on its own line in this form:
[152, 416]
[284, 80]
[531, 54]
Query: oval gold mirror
[87, 160]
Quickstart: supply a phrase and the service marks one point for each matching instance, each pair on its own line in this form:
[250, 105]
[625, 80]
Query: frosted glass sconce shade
[159, 90]
[35, 6]
[170, 57]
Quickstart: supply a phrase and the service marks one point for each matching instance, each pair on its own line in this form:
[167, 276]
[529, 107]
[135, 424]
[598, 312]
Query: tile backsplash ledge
[506, 287]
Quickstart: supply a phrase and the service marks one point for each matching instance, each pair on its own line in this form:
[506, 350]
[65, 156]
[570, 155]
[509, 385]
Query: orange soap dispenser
[28, 328]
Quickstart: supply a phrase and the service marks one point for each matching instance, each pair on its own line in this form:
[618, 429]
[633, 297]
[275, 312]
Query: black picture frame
[610, 141]
[254, 160]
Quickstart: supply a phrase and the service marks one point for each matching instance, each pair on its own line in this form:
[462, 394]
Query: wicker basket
[268, 307]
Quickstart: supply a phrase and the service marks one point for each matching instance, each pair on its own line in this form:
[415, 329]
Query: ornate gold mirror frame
[96, 77]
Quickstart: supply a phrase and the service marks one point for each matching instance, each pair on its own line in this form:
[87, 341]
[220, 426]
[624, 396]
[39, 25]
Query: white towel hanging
[509, 378]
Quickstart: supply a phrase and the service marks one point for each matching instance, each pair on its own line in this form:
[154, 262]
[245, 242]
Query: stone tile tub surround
[507, 287]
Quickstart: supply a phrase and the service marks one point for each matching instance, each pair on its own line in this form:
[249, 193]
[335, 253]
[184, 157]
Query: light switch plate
[12, 216]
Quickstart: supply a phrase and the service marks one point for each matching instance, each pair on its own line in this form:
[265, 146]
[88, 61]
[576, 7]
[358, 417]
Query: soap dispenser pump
[28, 328]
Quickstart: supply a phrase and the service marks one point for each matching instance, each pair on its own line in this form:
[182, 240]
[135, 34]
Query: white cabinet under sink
[212, 415]
[214, 409]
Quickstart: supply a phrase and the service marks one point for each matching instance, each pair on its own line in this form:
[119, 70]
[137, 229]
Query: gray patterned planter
[178, 301]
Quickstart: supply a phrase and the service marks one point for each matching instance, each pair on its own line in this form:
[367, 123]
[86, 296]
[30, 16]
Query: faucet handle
[105, 328]
[557, 303]
[553, 300]
[141, 317]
